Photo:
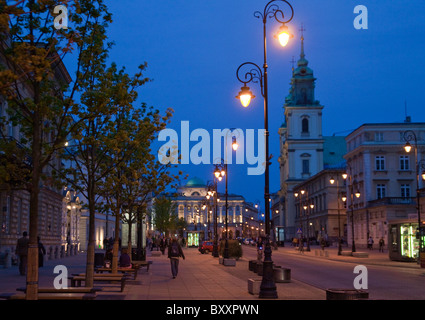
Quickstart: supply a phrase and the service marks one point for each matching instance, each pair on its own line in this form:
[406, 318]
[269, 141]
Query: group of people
[162, 243]
[370, 243]
[22, 252]
[174, 252]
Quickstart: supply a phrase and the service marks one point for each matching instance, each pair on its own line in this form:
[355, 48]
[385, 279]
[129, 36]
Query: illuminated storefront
[192, 239]
[403, 241]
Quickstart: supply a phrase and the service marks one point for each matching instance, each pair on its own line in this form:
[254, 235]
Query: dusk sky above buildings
[193, 49]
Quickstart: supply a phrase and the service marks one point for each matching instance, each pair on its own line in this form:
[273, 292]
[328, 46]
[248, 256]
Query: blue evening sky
[193, 49]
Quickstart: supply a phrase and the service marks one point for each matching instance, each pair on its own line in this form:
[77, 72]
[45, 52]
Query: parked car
[206, 247]
[247, 241]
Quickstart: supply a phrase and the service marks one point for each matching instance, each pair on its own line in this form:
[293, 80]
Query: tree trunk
[32, 263]
[91, 240]
[116, 244]
[129, 237]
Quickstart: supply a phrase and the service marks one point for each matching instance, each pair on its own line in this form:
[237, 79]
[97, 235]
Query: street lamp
[221, 171]
[307, 213]
[332, 181]
[357, 194]
[271, 10]
[408, 136]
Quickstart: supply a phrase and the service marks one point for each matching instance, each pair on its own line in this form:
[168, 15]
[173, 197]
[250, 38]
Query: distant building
[304, 151]
[385, 175]
[199, 212]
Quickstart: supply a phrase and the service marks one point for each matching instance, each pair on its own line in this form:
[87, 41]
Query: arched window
[304, 125]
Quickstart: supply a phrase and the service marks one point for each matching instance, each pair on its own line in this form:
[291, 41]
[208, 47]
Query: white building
[385, 176]
[199, 213]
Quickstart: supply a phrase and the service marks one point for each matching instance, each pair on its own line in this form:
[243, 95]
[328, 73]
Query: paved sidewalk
[374, 256]
[200, 277]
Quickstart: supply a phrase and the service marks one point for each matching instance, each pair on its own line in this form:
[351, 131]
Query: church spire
[301, 92]
[303, 61]
[302, 29]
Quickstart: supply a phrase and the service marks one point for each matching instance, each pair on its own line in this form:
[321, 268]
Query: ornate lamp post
[408, 136]
[271, 10]
[215, 195]
[332, 181]
[307, 213]
[221, 171]
[352, 194]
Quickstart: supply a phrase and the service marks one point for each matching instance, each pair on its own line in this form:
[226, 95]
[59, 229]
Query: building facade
[14, 199]
[319, 209]
[199, 213]
[304, 151]
[384, 174]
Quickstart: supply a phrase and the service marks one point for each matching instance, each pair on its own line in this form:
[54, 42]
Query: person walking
[370, 243]
[174, 253]
[381, 245]
[41, 253]
[162, 245]
[22, 252]
[301, 245]
[323, 243]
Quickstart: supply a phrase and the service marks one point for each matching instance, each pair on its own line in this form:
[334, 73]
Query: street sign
[299, 231]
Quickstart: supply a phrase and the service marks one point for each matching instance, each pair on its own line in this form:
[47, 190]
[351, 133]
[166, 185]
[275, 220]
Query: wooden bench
[51, 296]
[76, 280]
[134, 271]
[141, 264]
[64, 290]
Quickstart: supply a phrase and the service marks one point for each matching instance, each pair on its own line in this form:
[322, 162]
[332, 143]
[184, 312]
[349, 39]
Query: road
[384, 282]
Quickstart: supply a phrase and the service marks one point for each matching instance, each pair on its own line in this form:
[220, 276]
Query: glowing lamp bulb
[245, 96]
[284, 35]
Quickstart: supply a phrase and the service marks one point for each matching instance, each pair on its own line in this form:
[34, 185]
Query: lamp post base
[226, 250]
[215, 250]
[268, 286]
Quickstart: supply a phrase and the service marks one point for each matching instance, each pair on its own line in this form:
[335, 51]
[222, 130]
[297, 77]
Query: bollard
[251, 265]
[346, 294]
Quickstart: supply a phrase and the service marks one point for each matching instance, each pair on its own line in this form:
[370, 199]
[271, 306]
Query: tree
[40, 95]
[139, 174]
[164, 214]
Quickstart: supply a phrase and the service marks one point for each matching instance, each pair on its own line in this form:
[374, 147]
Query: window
[306, 166]
[379, 163]
[379, 136]
[6, 216]
[304, 125]
[405, 191]
[404, 163]
[380, 191]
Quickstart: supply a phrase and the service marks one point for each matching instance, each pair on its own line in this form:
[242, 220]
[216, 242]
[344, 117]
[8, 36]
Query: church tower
[301, 140]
